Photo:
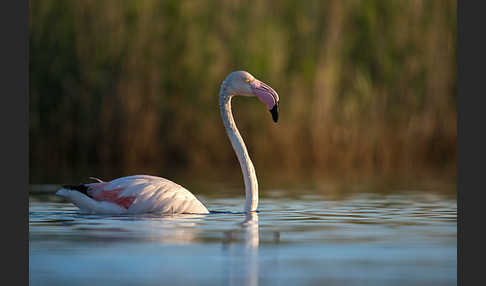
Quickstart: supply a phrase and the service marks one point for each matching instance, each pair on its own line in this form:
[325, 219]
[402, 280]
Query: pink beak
[267, 95]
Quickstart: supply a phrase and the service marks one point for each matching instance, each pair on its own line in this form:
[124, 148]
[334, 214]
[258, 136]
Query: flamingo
[146, 194]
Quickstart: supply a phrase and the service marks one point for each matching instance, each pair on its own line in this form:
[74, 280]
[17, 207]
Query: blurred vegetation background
[130, 87]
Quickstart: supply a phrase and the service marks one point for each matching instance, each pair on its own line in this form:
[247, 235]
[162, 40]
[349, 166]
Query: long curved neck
[249, 176]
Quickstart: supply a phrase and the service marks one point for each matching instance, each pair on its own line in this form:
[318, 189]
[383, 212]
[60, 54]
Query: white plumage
[150, 193]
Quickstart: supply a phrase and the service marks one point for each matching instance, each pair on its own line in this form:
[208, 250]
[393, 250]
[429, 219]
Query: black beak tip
[274, 112]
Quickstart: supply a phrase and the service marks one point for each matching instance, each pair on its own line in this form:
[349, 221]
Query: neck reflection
[250, 228]
[242, 258]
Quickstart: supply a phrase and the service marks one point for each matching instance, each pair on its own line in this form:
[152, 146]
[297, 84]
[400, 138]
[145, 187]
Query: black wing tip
[80, 188]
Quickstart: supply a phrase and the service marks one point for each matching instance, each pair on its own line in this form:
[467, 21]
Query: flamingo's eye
[247, 80]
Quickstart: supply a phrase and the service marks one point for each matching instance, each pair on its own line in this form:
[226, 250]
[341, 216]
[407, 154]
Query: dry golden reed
[128, 87]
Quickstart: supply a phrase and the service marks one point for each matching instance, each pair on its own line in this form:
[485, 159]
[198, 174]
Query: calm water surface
[364, 238]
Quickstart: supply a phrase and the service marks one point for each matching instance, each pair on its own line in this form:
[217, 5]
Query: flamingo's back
[132, 195]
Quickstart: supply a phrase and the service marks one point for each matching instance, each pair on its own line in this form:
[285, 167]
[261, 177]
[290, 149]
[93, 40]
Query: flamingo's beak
[267, 95]
[274, 112]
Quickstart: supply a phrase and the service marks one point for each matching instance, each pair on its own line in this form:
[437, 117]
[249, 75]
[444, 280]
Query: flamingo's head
[244, 84]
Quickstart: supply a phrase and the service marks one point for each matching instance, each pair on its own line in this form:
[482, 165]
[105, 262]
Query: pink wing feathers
[103, 192]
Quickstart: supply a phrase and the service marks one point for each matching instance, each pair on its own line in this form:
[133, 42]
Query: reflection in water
[252, 239]
[179, 229]
[172, 229]
[372, 239]
[250, 227]
[242, 259]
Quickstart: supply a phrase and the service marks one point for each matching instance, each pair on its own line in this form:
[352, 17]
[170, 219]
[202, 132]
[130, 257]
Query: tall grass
[125, 87]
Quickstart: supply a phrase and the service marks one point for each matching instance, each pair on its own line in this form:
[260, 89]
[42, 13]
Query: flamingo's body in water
[145, 194]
